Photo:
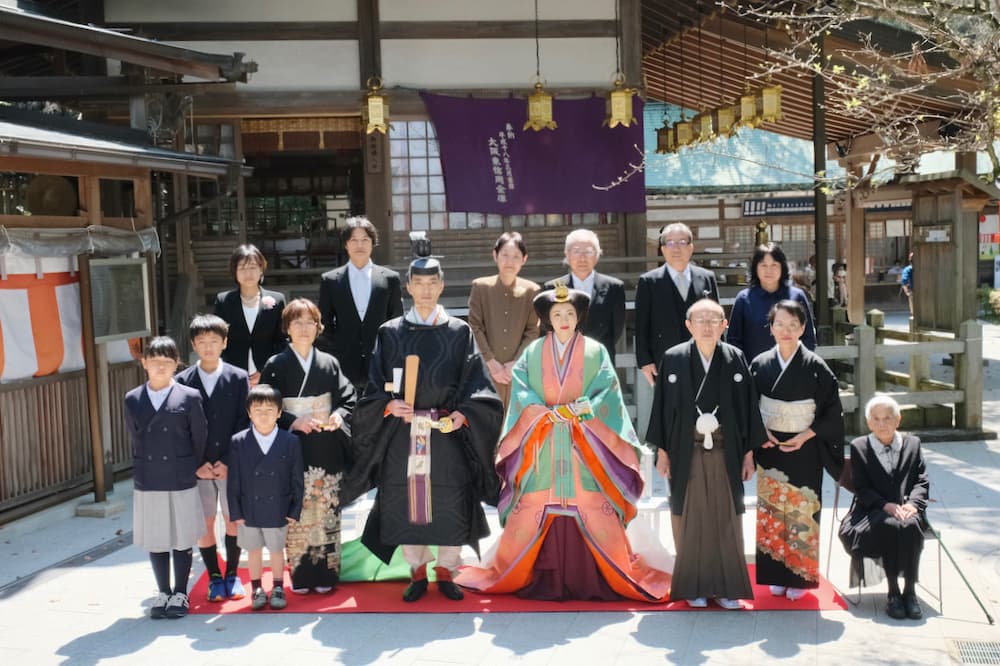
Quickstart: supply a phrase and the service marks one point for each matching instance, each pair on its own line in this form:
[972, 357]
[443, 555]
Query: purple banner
[491, 165]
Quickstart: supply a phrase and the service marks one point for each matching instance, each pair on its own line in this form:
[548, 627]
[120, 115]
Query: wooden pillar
[864, 372]
[375, 146]
[966, 208]
[95, 358]
[821, 225]
[969, 376]
[854, 220]
[241, 192]
[630, 13]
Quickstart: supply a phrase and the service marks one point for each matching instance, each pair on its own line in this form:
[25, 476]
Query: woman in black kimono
[252, 312]
[800, 407]
[317, 403]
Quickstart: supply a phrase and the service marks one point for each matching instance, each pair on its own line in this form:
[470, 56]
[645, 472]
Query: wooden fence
[45, 436]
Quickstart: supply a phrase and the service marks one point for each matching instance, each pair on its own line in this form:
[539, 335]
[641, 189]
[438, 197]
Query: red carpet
[386, 597]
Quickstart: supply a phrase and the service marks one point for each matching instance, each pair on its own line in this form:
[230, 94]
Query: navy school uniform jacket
[226, 409]
[168, 444]
[265, 489]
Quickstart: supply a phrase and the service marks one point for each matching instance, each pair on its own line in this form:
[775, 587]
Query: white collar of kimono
[306, 362]
[705, 362]
[561, 346]
[782, 362]
[437, 317]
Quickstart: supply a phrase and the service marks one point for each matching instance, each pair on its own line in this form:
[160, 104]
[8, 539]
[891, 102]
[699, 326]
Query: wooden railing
[45, 438]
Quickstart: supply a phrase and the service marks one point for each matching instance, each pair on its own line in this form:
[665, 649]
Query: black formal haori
[314, 542]
[790, 484]
[867, 530]
[452, 376]
[706, 487]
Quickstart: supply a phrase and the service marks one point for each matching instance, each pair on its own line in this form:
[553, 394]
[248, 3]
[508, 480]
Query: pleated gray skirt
[164, 520]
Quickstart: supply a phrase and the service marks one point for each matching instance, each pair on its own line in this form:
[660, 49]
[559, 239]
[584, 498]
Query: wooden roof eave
[25, 28]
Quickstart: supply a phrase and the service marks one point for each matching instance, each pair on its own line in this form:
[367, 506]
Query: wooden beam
[323, 103]
[863, 146]
[44, 221]
[260, 31]
[13, 163]
[255, 31]
[61, 87]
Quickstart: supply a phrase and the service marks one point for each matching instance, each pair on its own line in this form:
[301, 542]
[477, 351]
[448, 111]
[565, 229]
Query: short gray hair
[582, 236]
[881, 401]
[676, 226]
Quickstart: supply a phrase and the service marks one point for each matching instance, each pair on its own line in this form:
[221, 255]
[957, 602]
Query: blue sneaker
[216, 589]
[234, 587]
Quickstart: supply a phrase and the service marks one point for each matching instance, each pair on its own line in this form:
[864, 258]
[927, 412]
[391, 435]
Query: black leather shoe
[913, 610]
[895, 608]
[450, 590]
[415, 590]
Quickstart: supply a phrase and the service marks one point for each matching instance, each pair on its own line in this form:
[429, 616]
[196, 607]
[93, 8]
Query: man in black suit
[355, 299]
[606, 317]
[664, 296]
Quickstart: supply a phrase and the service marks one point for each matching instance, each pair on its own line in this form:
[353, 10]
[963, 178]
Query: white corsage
[672, 378]
[267, 303]
[737, 378]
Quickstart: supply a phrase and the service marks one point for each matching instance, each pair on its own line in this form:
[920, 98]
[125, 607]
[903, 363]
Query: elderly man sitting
[890, 497]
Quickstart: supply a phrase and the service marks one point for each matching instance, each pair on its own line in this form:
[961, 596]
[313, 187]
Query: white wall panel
[502, 63]
[230, 10]
[509, 10]
[300, 65]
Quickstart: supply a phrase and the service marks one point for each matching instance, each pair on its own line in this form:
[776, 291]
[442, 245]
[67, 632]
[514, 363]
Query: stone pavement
[73, 591]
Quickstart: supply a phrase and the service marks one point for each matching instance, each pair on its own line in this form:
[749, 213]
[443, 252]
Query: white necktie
[682, 285]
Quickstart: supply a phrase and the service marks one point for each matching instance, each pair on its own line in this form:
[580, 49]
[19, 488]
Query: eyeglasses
[303, 323]
[707, 321]
[786, 328]
[676, 243]
[583, 252]
[364, 240]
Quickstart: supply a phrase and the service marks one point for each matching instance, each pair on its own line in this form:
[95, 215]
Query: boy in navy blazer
[265, 491]
[223, 388]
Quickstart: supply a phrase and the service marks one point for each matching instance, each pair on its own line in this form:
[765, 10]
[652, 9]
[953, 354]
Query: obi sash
[788, 416]
[317, 406]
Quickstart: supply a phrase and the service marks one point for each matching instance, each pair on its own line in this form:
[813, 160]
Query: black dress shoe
[913, 610]
[895, 608]
[415, 590]
[450, 590]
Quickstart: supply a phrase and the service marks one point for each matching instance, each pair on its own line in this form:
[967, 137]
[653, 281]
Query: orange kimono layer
[569, 452]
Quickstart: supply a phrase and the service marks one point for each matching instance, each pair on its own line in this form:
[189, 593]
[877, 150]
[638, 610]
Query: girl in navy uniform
[167, 426]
